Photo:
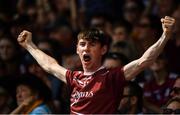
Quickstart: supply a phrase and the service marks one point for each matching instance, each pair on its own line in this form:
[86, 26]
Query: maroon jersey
[97, 93]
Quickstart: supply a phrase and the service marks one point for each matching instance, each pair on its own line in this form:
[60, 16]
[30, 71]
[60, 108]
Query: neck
[92, 67]
[33, 106]
[92, 72]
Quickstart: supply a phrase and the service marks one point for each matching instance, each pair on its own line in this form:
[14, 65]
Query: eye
[82, 44]
[93, 43]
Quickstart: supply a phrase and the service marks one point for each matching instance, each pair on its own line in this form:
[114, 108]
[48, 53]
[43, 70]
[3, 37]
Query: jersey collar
[91, 73]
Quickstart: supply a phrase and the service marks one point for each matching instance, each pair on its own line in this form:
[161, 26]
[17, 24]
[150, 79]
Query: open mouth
[86, 57]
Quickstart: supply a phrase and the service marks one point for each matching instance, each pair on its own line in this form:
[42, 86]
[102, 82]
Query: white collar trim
[91, 73]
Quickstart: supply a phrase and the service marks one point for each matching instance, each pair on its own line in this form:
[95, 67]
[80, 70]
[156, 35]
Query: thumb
[162, 20]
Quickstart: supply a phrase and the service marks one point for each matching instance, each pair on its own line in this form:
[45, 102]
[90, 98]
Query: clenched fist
[25, 38]
[167, 23]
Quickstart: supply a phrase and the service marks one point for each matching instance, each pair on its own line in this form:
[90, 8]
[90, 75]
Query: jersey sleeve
[70, 75]
[69, 78]
[118, 81]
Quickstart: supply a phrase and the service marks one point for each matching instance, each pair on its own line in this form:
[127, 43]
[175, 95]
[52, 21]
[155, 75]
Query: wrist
[30, 46]
[167, 34]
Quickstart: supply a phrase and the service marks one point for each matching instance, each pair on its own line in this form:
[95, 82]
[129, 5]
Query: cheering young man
[96, 89]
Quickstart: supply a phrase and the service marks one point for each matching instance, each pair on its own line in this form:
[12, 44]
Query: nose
[86, 47]
[4, 49]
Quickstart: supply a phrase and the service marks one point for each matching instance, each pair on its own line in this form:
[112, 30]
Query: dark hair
[36, 85]
[136, 90]
[16, 57]
[94, 34]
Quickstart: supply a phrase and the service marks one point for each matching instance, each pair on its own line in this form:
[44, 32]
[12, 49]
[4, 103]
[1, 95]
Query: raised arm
[136, 66]
[48, 63]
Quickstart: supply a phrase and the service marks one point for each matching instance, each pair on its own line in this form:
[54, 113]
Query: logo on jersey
[77, 95]
[83, 82]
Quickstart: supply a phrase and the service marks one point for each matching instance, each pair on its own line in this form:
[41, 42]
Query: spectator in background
[35, 69]
[172, 106]
[102, 22]
[9, 56]
[72, 61]
[165, 7]
[132, 10]
[32, 96]
[132, 99]
[53, 83]
[175, 91]
[144, 33]
[63, 35]
[114, 59]
[121, 41]
[156, 95]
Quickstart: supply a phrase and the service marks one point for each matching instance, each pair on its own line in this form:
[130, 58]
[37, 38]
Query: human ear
[104, 50]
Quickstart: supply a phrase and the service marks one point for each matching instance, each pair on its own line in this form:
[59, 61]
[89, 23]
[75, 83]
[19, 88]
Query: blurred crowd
[131, 25]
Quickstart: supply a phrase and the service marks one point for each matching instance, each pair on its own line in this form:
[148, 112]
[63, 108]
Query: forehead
[88, 40]
[20, 86]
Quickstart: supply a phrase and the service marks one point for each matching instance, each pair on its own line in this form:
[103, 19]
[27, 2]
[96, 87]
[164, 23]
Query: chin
[87, 68]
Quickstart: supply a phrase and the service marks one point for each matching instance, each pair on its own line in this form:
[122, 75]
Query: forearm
[48, 63]
[136, 66]
[43, 59]
[153, 52]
